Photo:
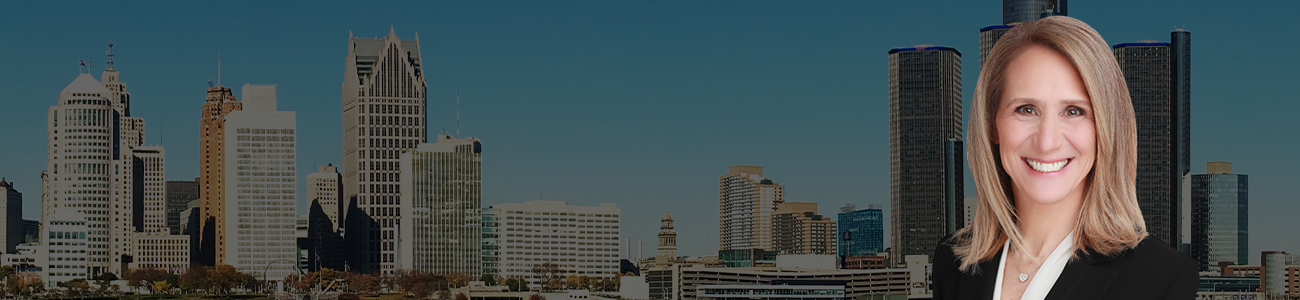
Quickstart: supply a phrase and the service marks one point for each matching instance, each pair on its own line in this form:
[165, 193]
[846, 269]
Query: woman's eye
[1074, 112]
[1025, 109]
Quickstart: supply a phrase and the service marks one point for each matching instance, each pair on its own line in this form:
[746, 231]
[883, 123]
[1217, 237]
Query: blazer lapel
[982, 285]
[1082, 280]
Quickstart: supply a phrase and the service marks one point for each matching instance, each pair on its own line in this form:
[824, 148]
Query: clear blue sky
[642, 104]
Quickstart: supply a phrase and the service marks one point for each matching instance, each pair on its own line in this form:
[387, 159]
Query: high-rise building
[582, 240]
[150, 214]
[323, 243]
[212, 178]
[260, 182]
[11, 217]
[90, 165]
[441, 228]
[1158, 77]
[746, 201]
[383, 116]
[491, 242]
[31, 231]
[179, 195]
[1020, 11]
[862, 231]
[323, 186]
[667, 241]
[798, 229]
[925, 148]
[1220, 218]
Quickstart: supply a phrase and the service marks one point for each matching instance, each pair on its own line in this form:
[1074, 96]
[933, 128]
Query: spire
[110, 56]
[392, 31]
[349, 34]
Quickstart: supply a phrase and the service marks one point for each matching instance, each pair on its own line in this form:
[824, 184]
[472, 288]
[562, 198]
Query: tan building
[212, 129]
[798, 229]
[170, 253]
[667, 241]
[746, 201]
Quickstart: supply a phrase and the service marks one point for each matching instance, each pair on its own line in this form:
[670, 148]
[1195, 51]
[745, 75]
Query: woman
[1052, 149]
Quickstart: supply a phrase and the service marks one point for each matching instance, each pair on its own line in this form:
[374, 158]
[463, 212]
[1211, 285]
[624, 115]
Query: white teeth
[1047, 167]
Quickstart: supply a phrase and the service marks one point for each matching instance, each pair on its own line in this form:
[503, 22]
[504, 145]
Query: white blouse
[1041, 282]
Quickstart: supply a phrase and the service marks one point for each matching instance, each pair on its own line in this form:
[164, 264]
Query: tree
[194, 280]
[514, 284]
[536, 297]
[548, 275]
[224, 278]
[572, 282]
[488, 279]
[461, 296]
[363, 283]
[161, 286]
[457, 279]
[76, 287]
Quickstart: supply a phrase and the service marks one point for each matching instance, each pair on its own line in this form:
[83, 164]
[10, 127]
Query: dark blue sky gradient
[642, 104]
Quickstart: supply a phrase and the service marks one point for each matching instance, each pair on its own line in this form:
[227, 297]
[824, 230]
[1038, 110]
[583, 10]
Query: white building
[383, 116]
[260, 186]
[746, 203]
[169, 253]
[441, 227]
[64, 254]
[582, 240]
[149, 162]
[323, 187]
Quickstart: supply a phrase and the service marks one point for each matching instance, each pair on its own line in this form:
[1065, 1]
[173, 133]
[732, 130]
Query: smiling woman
[1052, 148]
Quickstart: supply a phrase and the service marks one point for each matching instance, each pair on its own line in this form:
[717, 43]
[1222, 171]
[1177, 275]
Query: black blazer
[1152, 270]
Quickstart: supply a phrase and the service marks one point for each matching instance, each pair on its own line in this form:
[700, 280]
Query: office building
[681, 282]
[1015, 12]
[1159, 82]
[441, 228]
[212, 178]
[1220, 217]
[861, 231]
[11, 217]
[90, 165]
[491, 242]
[582, 240]
[798, 229]
[323, 244]
[31, 231]
[150, 199]
[179, 195]
[383, 116]
[64, 253]
[746, 201]
[925, 148]
[323, 186]
[667, 241]
[260, 186]
[165, 252]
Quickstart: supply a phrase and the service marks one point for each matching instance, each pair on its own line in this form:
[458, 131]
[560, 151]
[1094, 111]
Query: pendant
[1023, 277]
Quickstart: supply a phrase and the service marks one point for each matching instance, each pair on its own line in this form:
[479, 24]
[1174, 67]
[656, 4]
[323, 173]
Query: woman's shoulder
[1154, 253]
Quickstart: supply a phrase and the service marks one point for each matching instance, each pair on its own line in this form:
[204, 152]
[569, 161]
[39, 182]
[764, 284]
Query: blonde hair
[1109, 220]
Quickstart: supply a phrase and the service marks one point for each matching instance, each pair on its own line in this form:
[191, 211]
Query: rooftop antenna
[458, 113]
[218, 67]
[110, 55]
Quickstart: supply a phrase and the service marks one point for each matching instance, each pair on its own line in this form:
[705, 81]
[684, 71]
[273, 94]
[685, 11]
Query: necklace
[1024, 276]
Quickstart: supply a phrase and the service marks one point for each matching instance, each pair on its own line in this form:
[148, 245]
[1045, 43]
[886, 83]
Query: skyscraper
[212, 167]
[441, 228]
[1220, 216]
[862, 231]
[798, 229]
[1015, 12]
[92, 139]
[746, 201]
[383, 115]
[179, 195]
[323, 186]
[260, 186]
[667, 241]
[11, 217]
[150, 214]
[1158, 76]
[925, 134]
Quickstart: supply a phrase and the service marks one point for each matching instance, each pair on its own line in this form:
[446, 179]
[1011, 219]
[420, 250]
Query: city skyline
[586, 111]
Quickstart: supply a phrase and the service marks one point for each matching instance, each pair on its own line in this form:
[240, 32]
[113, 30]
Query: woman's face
[1045, 130]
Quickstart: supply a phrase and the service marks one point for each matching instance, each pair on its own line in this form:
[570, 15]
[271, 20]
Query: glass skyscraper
[1159, 82]
[925, 134]
[861, 231]
[1020, 11]
[1220, 216]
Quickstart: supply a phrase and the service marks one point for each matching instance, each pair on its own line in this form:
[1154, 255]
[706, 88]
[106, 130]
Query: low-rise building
[770, 292]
